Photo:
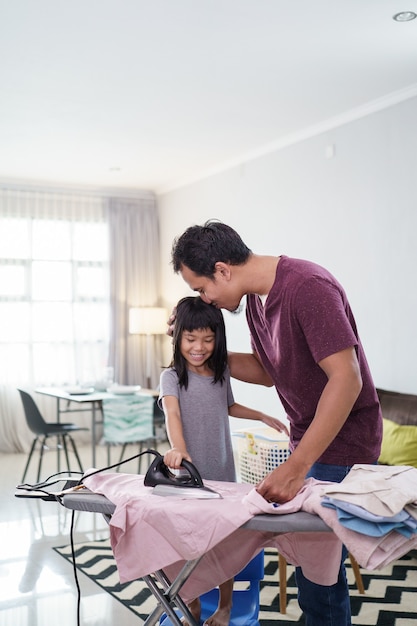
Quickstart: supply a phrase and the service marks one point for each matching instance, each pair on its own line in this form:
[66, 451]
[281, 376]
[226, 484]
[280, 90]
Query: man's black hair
[201, 247]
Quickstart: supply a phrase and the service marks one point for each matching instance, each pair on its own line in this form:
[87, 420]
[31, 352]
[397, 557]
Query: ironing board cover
[151, 532]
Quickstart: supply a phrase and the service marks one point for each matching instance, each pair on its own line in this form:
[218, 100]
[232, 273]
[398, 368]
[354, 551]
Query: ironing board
[165, 591]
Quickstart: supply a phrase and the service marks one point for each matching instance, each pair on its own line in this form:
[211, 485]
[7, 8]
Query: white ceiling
[151, 94]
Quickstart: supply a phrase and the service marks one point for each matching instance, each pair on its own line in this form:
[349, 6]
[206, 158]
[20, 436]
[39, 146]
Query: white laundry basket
[259, 451]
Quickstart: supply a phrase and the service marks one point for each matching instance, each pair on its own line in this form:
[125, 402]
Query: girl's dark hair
[194, 314]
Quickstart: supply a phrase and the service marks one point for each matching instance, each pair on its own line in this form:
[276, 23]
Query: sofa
[399, 442]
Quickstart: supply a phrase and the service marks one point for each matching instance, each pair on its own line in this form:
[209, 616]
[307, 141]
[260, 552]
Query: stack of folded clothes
[378, 502]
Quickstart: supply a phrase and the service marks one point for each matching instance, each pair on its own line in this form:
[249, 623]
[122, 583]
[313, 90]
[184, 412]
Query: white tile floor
[37, 585]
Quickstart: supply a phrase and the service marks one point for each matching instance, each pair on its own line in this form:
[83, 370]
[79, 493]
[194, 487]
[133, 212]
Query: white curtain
[134, 281]
[50, 222]
[54, 298]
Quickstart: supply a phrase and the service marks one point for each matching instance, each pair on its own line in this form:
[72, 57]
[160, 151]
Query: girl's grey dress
[205, 421]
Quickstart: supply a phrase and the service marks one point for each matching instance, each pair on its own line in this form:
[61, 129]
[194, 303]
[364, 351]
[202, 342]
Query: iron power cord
[74, 565]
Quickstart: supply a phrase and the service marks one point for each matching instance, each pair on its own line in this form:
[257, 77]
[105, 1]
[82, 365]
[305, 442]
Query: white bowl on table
[123, 390]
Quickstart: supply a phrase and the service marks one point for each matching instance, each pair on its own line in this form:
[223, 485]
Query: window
[54, 299]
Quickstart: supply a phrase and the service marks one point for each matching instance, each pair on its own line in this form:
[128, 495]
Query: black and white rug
[390, 597]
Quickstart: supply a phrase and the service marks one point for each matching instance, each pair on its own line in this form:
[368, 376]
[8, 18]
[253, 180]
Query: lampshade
[148, 320]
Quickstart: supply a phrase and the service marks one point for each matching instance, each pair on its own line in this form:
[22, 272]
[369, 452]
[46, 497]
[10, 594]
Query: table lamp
[149, 321]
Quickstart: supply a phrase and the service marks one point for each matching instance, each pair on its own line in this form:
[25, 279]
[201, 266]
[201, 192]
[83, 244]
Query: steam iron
[186, 485]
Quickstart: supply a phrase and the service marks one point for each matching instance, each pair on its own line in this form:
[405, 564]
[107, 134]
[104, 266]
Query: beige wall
[355, 213]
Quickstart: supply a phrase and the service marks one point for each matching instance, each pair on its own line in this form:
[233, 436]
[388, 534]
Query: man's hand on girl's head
[171, 322]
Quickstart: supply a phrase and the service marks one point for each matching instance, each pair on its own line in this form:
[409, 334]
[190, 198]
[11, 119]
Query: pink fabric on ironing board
[319, 555]
[370, 552]
[151, 532]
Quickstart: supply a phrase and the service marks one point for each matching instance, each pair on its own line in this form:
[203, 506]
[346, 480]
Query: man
[306, 344]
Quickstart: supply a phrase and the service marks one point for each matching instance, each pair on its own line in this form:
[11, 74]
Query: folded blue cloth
[362, 521]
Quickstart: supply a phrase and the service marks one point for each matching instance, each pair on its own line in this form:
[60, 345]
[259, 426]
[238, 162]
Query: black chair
[43, 430]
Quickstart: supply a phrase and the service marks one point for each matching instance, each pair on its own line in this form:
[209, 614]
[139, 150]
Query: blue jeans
[325, 606]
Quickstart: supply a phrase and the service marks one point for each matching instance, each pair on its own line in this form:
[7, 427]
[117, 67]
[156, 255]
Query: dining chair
[128, 419]
[43, 430]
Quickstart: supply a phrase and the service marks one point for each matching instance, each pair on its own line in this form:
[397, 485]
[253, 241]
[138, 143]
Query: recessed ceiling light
[404, 16]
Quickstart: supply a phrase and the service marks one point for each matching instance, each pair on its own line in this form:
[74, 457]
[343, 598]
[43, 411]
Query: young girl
[197, 399]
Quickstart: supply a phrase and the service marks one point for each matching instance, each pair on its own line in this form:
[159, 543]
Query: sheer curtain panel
[54, 297]
[134, 281]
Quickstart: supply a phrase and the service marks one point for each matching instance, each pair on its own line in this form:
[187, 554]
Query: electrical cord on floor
[41, 487]
[59, 499]
[74, 569]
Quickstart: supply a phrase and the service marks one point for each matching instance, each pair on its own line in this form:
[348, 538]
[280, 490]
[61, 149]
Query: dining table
[85, 400]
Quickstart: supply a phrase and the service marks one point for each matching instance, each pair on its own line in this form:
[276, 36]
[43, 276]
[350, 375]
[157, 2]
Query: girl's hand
[273, 422]
[173, 458]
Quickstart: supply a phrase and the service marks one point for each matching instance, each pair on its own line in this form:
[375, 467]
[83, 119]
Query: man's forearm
[333, 409]
[247, 368]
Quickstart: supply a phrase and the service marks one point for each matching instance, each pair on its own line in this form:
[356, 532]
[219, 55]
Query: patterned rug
[389, 599]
